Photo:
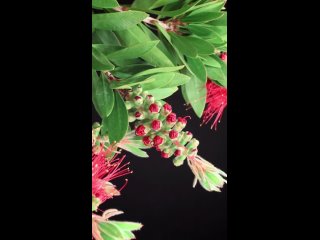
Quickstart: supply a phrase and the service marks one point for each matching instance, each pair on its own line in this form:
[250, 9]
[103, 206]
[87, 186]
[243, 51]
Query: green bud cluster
[159, 127]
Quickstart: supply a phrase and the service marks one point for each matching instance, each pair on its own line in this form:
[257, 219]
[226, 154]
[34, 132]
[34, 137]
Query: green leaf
[132, 81]
[174, 13]
[212, 61]
[128, 226]
[202, 17]
[158, 70]
[197, 68]
[217, 74]
[183, 46]
[117, 122]
[111, 230]
[195, 93]
[134, 51]
[151, 4]
[202, 46]
[215, 6]
[104, 4]
[166, 80]
[136, 35]
[222, 21]
[108, 38]
[134, 150]
[162, 93]
[100, 62]
[117, 21]
[102, 95]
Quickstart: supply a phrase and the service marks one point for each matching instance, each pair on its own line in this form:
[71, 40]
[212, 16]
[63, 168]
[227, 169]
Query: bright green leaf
[197, 68]
[102, 95]
[185, 47]
[117, 21]
[105, 37]
[134, 150]
[162, 93]
[132, 81]
[202, 17]
[134, 51]
[195, 93]
[117, 122]
[100, 62]
[100, 4]
[201, 45]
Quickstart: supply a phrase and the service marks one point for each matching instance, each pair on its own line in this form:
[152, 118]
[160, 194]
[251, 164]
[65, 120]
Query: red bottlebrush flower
[171, 118]
[137, 114]
[147, 140]
[103, 172]
[154, 108]
[141, 130]
[216, 103]
[167, 108]
[156, 124]
[177, 152]
[157, 140]
[164, 154]
[173, 134]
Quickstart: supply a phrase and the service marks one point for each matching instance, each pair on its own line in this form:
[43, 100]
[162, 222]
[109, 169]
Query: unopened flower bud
[141, 130]
[138, 100]
[147, 140]
[156, 125]
[171, 118]
[165, 154]
[178, 161]
[149, 99]
[173, 134]
[157, 140]
[153, 108]
[194, 143]
[177, 152]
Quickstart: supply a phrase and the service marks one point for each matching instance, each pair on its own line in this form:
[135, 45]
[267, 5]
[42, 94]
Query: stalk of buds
[160, 128]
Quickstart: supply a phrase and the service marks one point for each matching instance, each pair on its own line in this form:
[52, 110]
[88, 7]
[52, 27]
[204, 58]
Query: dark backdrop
[161, 196]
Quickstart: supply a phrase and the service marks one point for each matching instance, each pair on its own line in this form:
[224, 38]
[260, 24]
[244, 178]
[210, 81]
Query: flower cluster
[159, 127]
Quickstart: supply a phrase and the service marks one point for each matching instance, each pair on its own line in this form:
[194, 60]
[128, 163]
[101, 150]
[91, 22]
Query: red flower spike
[157, 140]
[141, 130]
[147, 140]
[173, 134]
[156, 124]
[216, 103]
[154, 108]
[171, 118]
[103, 172]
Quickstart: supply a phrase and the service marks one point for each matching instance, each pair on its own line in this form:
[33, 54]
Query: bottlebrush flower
[210, 177]
[216, 103]
[103, 172]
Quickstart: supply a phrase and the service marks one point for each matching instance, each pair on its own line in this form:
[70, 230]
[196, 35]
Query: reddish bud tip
[157, 148]
[164, 155]
[146, 140]
[137, 97]
[141, 130]
[173, 134]
[182, 120]
[153, 108]
[149, 96]
[223, 56]
[167, 107]
[171, 118]
[156, 124]
[157, 140]
[177, 152]
[137, 114]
